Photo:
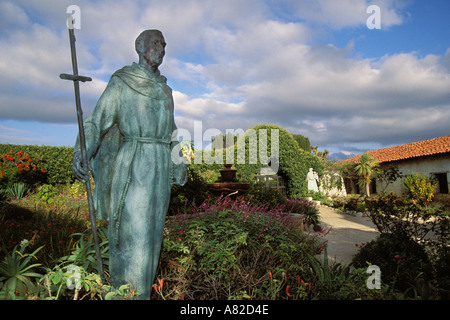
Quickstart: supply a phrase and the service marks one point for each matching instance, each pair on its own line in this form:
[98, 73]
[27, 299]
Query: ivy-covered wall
[294, 162]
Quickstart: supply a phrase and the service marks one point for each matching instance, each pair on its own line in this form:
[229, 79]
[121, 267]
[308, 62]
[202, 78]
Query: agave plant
[83, 254]
[15, 271]
[17, 190]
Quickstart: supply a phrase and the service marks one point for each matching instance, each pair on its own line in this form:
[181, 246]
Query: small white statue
[312, 177]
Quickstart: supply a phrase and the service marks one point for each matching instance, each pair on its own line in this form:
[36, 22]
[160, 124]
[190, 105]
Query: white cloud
[342, 13]
[237, 64]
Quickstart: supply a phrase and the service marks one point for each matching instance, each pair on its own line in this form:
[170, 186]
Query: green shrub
[20, 167]
[401, 260]
[303, 142]
[341, 282]
[227, 249]
[349, 203]
[56, 163]
[195, 191]
[47, 194]
[259, 193]
[304, 207]
[419, 188]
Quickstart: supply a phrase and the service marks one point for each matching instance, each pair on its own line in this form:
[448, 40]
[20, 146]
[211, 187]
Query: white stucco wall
[423, 166]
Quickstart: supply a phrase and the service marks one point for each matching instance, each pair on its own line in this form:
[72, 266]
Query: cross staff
[84, 159]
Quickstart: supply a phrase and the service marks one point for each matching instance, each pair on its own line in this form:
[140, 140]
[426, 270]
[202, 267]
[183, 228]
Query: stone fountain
[228, 184]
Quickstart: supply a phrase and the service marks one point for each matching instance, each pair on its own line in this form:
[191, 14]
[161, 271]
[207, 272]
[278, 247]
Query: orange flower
[270, 275]
[43, 171]
[2, 174]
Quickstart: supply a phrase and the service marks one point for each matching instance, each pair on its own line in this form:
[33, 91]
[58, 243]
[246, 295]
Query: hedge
[294, 162]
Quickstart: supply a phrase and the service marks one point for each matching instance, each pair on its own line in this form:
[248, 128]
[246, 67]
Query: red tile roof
[409, 150]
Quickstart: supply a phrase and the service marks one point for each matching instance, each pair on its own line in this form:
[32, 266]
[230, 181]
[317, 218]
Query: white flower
[24, 243]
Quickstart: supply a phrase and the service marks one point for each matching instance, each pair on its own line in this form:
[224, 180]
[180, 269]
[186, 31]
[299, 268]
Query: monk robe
[129, 144]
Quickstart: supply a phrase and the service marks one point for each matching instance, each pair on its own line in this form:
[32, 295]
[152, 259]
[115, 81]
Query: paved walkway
[347, 231]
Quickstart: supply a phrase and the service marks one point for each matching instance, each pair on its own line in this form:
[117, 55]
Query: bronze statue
[129, 145]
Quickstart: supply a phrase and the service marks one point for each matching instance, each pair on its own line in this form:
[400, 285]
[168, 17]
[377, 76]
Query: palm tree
[365, 168]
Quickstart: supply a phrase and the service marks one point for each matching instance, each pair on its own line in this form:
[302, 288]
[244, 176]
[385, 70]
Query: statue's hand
[180, 174]
[80, 173]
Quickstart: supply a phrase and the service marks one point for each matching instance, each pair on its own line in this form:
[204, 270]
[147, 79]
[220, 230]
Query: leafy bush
[393, 214]
[304, 207]
[20, 167]
[259, 193]
[400, 259]
[226, 249]
[83, 254]
[419, 188]
[337, 281]
[349, 203]
[195, 191]
[75, 283]
[47, 194]
[429, 227]
[53, 164]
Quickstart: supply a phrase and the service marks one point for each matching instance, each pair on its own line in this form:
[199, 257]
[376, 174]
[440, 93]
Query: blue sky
[312, 67]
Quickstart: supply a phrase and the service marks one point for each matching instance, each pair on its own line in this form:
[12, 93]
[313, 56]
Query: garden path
[347, 232]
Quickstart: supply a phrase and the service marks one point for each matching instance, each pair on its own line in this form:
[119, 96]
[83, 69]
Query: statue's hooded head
[150, 46]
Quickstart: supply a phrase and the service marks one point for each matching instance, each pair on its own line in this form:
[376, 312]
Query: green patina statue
[132, 157]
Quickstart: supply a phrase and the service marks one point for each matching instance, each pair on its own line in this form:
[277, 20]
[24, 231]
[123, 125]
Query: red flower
[2, 174]
[43, 171]
[287, 291]
[158, 288]
[270, 275]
